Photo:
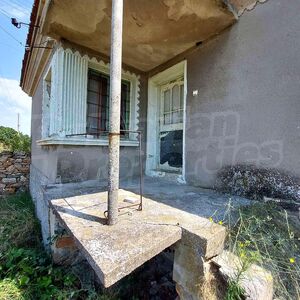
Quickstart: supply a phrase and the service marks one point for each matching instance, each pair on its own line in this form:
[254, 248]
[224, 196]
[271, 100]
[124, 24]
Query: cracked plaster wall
[247, 109]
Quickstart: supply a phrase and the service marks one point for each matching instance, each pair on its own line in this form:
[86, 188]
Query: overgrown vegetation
[234, 290]
[267, 235]
[255, 183]
[11, 140]
[26, 271]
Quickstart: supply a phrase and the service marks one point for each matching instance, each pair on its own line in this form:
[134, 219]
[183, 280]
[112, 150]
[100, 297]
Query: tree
[14, 141]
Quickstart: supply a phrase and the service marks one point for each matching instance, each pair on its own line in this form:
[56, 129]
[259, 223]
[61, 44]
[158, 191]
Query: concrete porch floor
[172, 212]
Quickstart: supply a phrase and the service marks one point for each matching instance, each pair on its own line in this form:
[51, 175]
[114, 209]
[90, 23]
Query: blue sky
[12, 99]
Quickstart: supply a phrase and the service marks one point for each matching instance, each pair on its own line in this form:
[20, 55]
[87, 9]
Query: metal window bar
[141, 179]
[98, 86]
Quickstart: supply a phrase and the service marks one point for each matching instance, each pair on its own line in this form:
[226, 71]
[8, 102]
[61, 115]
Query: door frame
[153, 115]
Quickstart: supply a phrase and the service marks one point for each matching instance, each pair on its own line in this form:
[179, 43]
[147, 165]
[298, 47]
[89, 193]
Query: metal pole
[141, 171]
[115, 106]
[18, 126]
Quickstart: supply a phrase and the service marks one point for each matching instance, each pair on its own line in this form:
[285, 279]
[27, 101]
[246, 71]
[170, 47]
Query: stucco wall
[79, 163]
[59, 164]
[248, 106]
[43, 159]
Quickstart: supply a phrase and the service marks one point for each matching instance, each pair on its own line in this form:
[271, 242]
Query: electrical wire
[4, 13]
[8, 33]
[19, 4]
[12, 6]
[12, 3]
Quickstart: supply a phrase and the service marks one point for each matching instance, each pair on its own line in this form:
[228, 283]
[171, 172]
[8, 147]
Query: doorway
[166, 123]
[171, 126]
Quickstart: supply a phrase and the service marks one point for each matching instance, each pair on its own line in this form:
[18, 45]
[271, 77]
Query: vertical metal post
[18, 125]
[141, 171]
[115, 107]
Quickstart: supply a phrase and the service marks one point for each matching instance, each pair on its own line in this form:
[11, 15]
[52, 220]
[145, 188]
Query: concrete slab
[115, 251]
[195, 200]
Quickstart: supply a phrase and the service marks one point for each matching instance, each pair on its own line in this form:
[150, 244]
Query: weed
[234, 291]
[265, 234]
[26, 270]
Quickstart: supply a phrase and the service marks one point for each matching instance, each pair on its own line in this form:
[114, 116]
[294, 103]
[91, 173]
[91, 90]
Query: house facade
[207, 83]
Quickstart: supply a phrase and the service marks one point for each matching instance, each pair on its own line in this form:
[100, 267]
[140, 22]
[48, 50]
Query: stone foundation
[14, 172]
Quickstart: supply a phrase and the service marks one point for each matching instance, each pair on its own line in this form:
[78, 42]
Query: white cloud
[13, 101]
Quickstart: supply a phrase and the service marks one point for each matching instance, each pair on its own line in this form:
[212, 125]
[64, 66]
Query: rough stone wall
[14, 172]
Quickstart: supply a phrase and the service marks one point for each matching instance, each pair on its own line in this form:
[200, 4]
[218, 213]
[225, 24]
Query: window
[46, 105]
[171, 126]
[173, 104]
[98, 104]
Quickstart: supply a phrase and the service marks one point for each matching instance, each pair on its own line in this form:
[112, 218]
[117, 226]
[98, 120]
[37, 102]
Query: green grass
[26, 270]
[269, 236]
[18, 225]
[234, 291]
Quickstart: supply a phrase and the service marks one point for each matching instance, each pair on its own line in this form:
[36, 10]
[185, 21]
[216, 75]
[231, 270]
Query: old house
[204, 84]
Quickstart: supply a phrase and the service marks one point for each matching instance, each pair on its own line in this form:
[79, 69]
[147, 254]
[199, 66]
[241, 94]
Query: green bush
[13, 141]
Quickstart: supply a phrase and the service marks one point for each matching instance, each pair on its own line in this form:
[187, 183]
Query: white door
[171, 126]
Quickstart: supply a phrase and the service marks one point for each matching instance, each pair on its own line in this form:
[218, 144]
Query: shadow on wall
[77, 166]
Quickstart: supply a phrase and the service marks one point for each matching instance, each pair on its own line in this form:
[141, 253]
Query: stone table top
[115, 251]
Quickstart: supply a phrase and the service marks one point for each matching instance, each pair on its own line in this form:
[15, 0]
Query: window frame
[99, 113]
[134, 81]
[58, 135]
[169, 87]
[46, 103]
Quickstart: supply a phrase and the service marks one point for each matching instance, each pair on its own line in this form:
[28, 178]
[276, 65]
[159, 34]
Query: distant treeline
[11, 140]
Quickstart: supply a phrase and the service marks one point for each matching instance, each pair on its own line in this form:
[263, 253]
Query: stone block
[256, 281]
[10, 169]
[209, 240]
[17, 166]
[3, 159]
[9, 180]
[23, 178]
[189, 272]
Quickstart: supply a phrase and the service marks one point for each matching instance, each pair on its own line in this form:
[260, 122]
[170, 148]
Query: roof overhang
[154, 31]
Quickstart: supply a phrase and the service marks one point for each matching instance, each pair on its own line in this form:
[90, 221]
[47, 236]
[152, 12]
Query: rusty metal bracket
[114, 133]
